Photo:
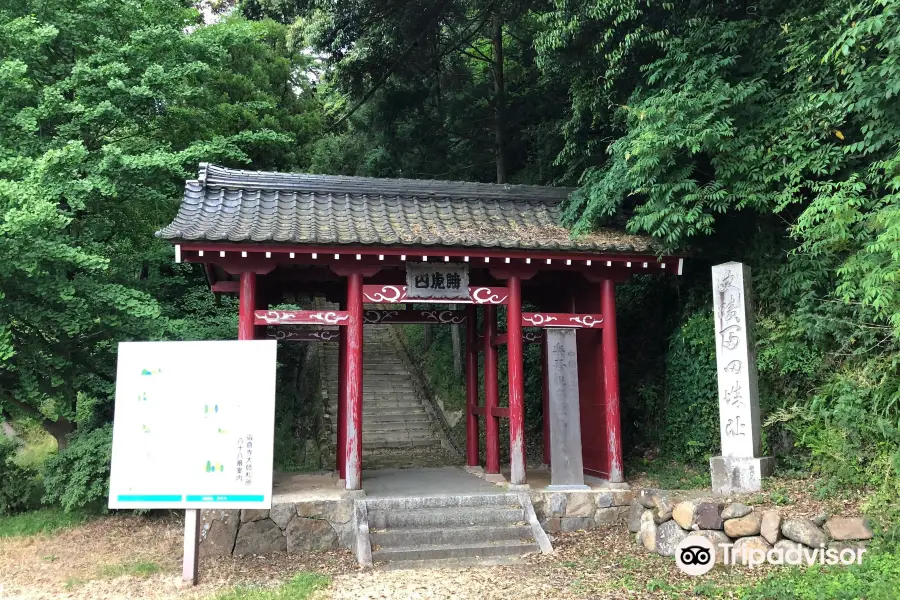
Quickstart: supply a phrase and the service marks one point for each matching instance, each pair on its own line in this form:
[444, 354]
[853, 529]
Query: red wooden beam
[471, 387]
[302, 317]
[354, 382]
[394, 294]
[225, 287]
[532, 337]
[545, 402]
[491, 393]
[348, 253]
[497, 412]
[283, 334]
[515, 370]
[611, 382]
[576, 321]
[409, 316]
[246, 306]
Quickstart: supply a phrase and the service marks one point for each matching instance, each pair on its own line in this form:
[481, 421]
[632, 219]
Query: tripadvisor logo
[696, 555]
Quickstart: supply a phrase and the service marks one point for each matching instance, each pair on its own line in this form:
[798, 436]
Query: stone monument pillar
[566, 463]
[740, 468]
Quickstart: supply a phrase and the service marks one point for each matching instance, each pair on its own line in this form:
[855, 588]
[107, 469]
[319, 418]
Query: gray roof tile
[251, 206]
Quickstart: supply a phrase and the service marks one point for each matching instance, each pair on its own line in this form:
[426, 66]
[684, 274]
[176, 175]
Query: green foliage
[877, 578]
[78, 477]
[107, 107]
[300, 587]
[43, 521]
[18, 482]
[692, 407]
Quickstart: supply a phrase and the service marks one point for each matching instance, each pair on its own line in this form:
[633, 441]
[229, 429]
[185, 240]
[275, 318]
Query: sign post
[193, 429]
[741, 467]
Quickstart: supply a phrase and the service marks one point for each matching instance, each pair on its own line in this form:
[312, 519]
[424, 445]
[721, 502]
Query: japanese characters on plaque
[437, 281]
[736, 361]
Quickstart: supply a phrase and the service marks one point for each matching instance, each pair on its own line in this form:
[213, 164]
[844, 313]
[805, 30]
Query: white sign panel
[736, 361]
[194, 425]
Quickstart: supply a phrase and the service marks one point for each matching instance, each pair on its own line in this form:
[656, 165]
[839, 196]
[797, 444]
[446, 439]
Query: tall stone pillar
[741, 467]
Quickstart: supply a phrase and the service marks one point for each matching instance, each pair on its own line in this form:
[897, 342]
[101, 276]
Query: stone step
[432, 536]
[372, 446]
[395, 411]
[401, 417]
[446, 517]
[503, 499]
[455, 551]
[454, 564]
[380, 426]
[382, 439]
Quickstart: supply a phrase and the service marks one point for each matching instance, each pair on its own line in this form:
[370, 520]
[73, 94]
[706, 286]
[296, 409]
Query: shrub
[18, 482]
[79, 475]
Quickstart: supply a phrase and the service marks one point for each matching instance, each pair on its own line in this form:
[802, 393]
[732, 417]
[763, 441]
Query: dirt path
[133, 557]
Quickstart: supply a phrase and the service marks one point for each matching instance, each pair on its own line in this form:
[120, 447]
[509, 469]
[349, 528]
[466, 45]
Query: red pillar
[471, 387]
[516, 382]
[354, 382]
[611, 380]
[246, 306]
[491, 400]
[342, 401]
[545, 400]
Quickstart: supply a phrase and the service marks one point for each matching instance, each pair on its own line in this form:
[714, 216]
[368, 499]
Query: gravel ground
[87, 562]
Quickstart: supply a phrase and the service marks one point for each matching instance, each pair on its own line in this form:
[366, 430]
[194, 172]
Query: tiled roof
[232, 205]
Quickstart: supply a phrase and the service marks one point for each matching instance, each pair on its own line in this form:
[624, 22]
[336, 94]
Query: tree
[443, 90]
[107, 107]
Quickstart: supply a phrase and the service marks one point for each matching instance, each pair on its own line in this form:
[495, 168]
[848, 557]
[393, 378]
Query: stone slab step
[401, 417]
[504, 499]
[399, 444]
[394, 538]
[509, 548]
[372, 426]
[446, 517]
[450, 563]
[375, 412]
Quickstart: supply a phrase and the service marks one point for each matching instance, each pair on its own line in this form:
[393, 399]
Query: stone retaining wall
[571, 511]
[288, 527]
[660, 521]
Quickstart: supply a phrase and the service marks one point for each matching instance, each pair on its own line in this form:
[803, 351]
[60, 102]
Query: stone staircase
[416, 531]
[394, 416]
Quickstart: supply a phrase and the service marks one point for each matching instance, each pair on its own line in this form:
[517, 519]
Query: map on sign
[194, 425]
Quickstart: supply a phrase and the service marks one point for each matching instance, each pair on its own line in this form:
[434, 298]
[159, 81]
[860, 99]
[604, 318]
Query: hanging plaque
[445, 281]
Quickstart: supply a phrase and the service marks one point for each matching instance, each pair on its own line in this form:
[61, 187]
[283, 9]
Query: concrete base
[568, 488]
[738, 474]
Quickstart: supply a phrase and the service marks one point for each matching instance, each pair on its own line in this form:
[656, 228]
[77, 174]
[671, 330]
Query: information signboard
[194, 425]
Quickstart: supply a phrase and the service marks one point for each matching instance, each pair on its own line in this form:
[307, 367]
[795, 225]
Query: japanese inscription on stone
[438, 281]
[566, 466]
[736, 361]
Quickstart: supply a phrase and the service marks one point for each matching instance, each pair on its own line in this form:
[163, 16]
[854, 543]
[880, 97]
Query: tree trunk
[60, 429]
[429, 334]
[7, 430]
[499, 99]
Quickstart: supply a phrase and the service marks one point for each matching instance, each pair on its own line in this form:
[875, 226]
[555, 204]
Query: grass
[877, 578]
[671, 475]
[135, 569]
[46, 520]
[300, 587]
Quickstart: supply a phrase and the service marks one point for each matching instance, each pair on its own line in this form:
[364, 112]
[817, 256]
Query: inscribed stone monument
[740, 468]
[566, 465]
